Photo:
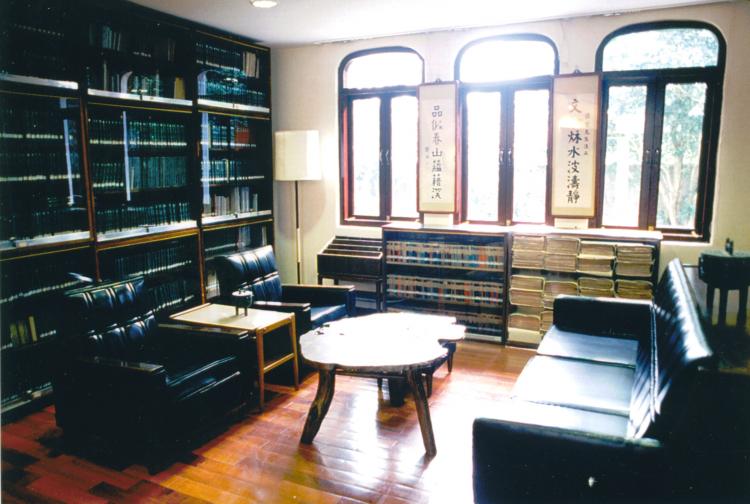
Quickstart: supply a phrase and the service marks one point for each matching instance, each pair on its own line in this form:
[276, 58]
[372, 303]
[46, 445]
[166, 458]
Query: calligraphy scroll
[575, 119]
[437, 148]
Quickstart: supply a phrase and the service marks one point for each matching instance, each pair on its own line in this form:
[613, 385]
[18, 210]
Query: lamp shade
[297, 155]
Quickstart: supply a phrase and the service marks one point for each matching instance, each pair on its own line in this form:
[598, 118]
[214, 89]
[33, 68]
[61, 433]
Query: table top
[383, 342]
[219, 315]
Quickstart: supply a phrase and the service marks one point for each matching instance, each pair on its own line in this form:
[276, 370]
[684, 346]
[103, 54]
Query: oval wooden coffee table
[384, 345]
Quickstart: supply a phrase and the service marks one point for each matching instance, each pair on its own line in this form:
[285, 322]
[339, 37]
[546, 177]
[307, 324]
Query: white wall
[305, 97]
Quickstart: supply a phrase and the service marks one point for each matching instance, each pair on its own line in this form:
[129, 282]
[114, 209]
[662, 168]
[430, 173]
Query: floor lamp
[297, 158]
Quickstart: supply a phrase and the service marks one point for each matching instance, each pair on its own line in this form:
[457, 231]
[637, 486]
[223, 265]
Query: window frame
[346, 96]
[656, 81]
[507, 90]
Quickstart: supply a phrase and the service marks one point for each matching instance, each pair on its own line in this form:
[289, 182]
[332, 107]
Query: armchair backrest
[110, 320]
[253, 269]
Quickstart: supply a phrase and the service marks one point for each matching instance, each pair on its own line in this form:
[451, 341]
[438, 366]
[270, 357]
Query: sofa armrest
[516, 462]
[321, 295]
[109, 370]
[603, 317]
[301, 312]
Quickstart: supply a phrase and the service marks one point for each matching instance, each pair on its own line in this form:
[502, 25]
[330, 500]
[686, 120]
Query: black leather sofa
[126, 383]
[313, 305]
[614, 406]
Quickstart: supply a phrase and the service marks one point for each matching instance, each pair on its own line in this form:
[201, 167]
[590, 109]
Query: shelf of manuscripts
[132, 58]
[235, 168]
[42, 193]
[232, 75]
[228, 239]
[458, 273]
[546, 266]
[139, 166]
[30, 289]
[170, 267]
[35, 43]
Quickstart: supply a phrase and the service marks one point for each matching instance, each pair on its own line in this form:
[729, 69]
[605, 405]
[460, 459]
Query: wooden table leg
[423, 411]
[319, 407]
[295, 360]
[396, 391]
[723, 293]
[742, 308]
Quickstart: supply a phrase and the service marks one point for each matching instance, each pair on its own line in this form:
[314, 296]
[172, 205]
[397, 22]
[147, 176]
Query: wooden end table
[257, 323]
[395, 346]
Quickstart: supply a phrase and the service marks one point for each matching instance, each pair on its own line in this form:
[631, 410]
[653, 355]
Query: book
[560, 262]
[634, 289]
[528, 242]
[635, 269]
[529, 322]
[562, 245]
[522, 297]
[529, 259]
[529, 282]
[597, 283]
[597, 249]
[592, 265]
[32, 329]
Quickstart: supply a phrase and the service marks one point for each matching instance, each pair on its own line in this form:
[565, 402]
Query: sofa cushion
[187, 375]
[591, 386]
[604, 349]
[319, 315]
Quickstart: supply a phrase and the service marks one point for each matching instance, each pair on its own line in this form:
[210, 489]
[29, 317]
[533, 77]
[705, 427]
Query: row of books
[232, 60]
[173, 294]
[38, 166]
[58, 219]
[24, 331]
[570, 245]
[140, 133]
[22, 123]
[228, 170]
[536, 291]
[124, 80]
[143, 173]
[47, 31]
[231, 239]
[40, 276]
[150, 262]
[490, 257]
[136, 216]
[236, 134]
[216, 87]
[442, 290]
[29, 60]
[601, 266]
[140, 44]
[238, 200]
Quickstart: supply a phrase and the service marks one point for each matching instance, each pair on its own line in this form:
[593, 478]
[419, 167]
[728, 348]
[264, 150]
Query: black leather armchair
[125, 380]
[313, 305]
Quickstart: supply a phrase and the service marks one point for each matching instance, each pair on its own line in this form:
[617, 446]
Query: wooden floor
[366, 450]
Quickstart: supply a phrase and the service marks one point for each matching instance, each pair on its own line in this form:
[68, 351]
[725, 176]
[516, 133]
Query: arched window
[378, 106]
[661, 102]
[505, 88]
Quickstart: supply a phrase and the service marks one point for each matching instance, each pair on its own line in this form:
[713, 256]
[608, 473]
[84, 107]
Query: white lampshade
[297, 155]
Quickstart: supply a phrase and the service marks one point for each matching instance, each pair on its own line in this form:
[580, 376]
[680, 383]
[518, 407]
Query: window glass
[366, 156]
[483, 144]
[682, 130]
[383, 69]
[404, 112]
[626, 118]
[530, 138]
[664, 48]
[503, 60]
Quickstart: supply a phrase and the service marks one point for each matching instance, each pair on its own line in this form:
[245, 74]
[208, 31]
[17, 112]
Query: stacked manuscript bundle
[526, 321]
[596, 287]
[634, 289]
[596, 258]
[561, 252]
[528, 251]
[634, 260]
[546, 320]
[554, 288]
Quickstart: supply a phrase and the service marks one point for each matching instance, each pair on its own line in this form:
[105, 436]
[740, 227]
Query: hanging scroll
[575, 119]
[437, 148]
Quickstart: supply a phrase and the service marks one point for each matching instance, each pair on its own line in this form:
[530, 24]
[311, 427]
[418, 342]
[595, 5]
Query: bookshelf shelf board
[214, 219]
[140, 98]
[145, 230]
[38, 81]
[44, 240]
[205, 102]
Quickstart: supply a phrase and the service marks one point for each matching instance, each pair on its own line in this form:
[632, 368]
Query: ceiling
[301, 22]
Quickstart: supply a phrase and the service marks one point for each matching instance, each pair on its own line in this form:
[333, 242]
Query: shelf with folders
[137, 59]
[170, 267]
[461, 272]
[42, 191]
[139, 164]
[228, 239]
[232, 75]
[31, 287]
[595, 263]
[35, 43]
[235, 168]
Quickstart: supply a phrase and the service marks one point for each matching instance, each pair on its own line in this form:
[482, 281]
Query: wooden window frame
[346, 97]
[656, 81]
[507, 90]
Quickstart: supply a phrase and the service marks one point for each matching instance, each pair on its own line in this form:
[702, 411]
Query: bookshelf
[109, 113]
[458, 272]
[547, 262]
